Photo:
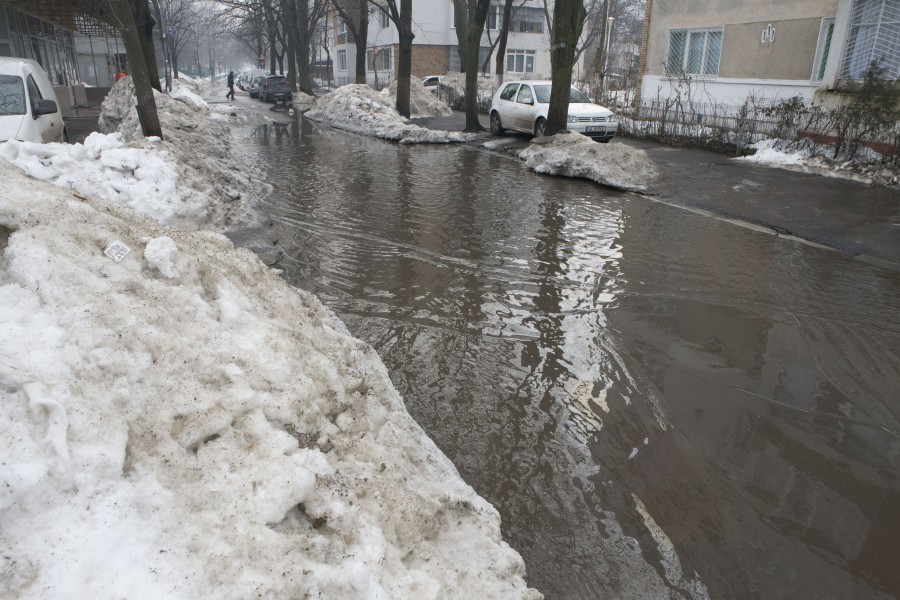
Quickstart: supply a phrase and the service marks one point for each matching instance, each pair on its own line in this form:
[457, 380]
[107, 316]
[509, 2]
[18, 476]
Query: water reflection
[659, 405]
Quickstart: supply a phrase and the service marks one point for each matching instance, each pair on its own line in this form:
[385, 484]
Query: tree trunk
[461, 20]
[568, 20]
[477, 11]
[144, 21]
[504, 35]
[304, 43]
[293, 42]
[361, 39]
[404, 66]
[146, 103]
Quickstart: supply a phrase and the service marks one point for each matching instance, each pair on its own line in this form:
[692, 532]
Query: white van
[29, 111]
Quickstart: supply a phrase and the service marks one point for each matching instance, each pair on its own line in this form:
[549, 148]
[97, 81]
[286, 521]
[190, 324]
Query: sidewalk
[855, 218]
[82, 121]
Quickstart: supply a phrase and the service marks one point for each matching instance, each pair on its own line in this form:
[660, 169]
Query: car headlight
[611, 119]
[571, 119]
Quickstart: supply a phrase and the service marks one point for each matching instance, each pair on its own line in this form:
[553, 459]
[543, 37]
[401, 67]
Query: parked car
[29, 110]
[255, 84]
[522, 106]
[275, 88]
[432, 82]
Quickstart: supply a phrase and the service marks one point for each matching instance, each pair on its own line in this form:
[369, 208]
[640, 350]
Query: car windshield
[543, 95]
[12, 95]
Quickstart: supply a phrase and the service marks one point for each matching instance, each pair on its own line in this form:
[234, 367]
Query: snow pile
[106, 167]
[574, 155]
[361, 109]
[806, 156]
[303, 102]
[212, 178]
[455, 82]
[188, 93]
[184, 424]
[422, 103]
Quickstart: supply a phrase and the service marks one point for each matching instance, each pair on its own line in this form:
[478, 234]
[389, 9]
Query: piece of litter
[117, 250]
[634, 452]
[646, 441]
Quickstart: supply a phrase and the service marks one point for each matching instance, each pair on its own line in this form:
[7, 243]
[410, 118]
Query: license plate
[594, 129]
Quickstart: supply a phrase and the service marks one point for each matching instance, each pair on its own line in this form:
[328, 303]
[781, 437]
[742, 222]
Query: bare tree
[400, 14]
[568, 21]
[470, 17]
[146, 103]
[355, 15]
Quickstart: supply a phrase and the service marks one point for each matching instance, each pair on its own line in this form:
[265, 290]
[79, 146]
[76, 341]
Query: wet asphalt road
[665, 396]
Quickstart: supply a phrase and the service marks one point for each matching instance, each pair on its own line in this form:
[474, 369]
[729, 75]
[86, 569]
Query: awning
[90, 17]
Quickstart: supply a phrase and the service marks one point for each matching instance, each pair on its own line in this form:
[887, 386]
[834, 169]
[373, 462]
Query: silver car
[523, 105]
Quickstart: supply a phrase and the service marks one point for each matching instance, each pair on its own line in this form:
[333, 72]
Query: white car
[522, 105]
[29, 111]
[432, 82]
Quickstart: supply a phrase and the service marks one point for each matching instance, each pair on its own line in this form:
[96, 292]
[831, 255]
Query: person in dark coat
[230, 94]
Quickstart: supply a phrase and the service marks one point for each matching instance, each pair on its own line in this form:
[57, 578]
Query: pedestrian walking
[230, 94]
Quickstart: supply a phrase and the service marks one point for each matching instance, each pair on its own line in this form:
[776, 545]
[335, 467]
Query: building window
[520, 61]
[385, 18]
[874, 36]
[342, 32]
[495, 17]
[527, 20]
[484, 55]
[380, 58]
[694, 52]
[823, 49]
[342, 60]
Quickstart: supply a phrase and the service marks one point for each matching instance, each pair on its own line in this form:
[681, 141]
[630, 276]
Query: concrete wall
[747, 20]
[780, 66]
[789, 55]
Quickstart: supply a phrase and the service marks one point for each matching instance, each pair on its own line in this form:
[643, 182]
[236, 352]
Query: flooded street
[658, 403]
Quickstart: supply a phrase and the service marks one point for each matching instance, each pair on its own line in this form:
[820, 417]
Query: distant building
[729, 49]
[435, 50]
[71, 45]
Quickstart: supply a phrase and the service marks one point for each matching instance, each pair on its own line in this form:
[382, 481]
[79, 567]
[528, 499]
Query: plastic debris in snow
[574, 155]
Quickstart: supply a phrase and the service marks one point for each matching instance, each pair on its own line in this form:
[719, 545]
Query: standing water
[659, 404]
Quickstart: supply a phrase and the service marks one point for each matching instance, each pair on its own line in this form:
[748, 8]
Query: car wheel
[540, 127]
[604, 141]
[496, 125]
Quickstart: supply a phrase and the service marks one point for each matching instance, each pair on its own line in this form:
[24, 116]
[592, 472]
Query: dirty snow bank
[184, 424]
[422, 103]
[360, 109]
[453, 90]
[808, 157]
[211, 179]
[574, 155]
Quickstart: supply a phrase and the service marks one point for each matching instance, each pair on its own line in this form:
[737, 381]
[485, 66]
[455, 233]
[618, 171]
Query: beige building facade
[723, 51]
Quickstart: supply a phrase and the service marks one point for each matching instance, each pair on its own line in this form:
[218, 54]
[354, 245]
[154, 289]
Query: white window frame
[824, 47]
[342, 60]
[385, 18]
[342, 36]
[515, 54]
[385, 59]
[686, 51]
[867, 41]
[495, 10]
